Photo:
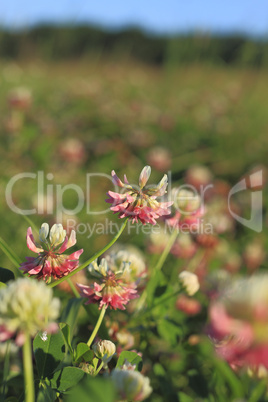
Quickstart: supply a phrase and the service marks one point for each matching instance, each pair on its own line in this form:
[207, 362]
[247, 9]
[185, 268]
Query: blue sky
[250, 16]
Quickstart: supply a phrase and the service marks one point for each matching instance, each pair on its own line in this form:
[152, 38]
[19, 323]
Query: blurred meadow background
[87, 90]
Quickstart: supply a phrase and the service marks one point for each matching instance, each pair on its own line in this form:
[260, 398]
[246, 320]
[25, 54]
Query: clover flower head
[111, 291]
[131, 385]
[104, 350]
[131, 256]
[239, 322]
[139, 203]
[50, 260]
[128, 366]
[26, 307]
[189, 281]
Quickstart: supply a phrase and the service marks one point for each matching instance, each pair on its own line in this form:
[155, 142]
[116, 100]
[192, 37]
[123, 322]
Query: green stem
[72, 286]
[28, 370]
[158, 267]
[10, 254]
[31, 223]
[94, 257]
[6, 370]
[99, 369]
[166, 251]
[97, 326]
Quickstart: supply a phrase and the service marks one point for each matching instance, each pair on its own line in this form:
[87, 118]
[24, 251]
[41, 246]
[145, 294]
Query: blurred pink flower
[188, 210]
[139, 202]
[50, 260]
[184, 222]
[20, 98]
[188, 305]
[239, 323]
[112, 291]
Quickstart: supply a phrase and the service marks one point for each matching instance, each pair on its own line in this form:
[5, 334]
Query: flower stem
[166, 251]
[10, 254]
[158, 267]
[99, 369]
[55, 283]
[73, 288]
[97, 326]
[28, 370]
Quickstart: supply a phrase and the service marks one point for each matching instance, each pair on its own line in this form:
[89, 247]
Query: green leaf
[259, 391]
[83, 352]
[157, 281]
[49, 351]
[65, 329]
[159, 370]
[184, 398]
[92, 390]
[169, 331]
[46, 395]
[10, 254]
[70, 313]
[66, 378]
[132, 358]
[225, 371]
[6, 275]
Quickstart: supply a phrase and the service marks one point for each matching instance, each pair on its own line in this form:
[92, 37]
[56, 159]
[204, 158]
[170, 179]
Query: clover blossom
[50, 260]
[189, 282]
[119, 255]
[104, 350]
[130, 384]
[26, 307]
[139, 202]
[239, 323]
[112, 291]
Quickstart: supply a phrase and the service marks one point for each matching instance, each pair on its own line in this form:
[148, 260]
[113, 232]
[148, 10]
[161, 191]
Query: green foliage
[49, 351]
[63, 42]
[46, 394]
[66, 378]
[92, 390]
[132, 358]
[70, 314]
[65, 329]
[6, 275]
[83, 353]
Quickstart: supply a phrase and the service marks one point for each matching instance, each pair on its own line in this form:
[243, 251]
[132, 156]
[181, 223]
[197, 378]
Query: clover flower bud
[104, 350]
[189, 281]
[131, 385]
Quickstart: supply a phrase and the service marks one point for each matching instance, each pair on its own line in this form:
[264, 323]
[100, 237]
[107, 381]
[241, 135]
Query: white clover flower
[104, 350]
[131, 385]
[130, 260]
[189, 281]
[26, 307]
[128, 366]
